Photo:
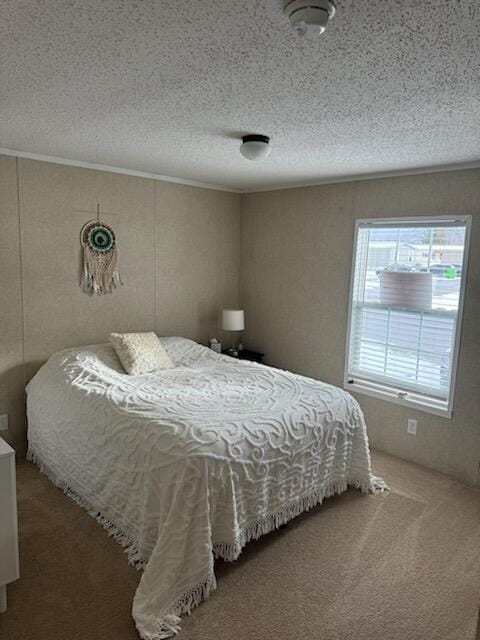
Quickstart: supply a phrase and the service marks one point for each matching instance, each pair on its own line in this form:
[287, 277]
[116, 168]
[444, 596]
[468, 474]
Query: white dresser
[9, 570]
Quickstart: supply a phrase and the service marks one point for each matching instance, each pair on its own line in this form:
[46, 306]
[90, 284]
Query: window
[408, 281]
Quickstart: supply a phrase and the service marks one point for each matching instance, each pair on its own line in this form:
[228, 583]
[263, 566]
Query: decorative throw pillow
[140, 352]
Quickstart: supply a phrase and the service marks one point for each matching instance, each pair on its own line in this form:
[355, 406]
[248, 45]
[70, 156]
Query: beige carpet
[399, 566]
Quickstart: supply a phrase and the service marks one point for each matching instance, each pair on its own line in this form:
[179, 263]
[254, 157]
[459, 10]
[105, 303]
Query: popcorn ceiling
[169, 87]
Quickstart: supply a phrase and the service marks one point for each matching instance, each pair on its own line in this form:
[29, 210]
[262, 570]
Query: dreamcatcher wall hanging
[100, 273]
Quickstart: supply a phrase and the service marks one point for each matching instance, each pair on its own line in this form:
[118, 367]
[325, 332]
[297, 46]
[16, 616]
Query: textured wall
[12, 370]
[179, 257]
[296, 260]
[198, 258]
[178, 253]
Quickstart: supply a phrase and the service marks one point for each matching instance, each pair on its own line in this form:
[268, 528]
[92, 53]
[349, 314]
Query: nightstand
[8, 522]
[246, 354]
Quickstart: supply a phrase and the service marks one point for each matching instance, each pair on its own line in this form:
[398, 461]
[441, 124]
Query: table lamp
[233, 320]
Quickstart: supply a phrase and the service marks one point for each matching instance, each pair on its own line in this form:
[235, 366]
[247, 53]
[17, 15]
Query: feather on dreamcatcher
[100, 274]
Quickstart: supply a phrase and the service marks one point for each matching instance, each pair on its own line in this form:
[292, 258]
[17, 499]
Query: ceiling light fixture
[255, 147]
[309, 15]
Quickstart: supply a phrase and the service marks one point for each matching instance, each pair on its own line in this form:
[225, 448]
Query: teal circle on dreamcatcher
[98, 236]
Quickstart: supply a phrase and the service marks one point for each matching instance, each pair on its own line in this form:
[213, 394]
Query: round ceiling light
[310, 15]
[255, 147]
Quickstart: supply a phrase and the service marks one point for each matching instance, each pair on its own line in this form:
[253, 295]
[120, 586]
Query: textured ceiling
[168, 87]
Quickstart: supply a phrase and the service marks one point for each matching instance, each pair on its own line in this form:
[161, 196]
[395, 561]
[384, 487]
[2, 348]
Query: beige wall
[178, 257]
[296, 261]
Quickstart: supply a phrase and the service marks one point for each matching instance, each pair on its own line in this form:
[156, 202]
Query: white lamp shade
[233, 320]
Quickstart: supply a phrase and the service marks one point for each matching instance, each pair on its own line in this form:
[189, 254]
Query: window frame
[393, 393]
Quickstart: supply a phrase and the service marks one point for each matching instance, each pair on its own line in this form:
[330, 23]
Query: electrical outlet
[412, 427]
[4, 422]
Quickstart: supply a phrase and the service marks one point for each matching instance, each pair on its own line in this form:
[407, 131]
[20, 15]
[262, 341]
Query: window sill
[429, 405]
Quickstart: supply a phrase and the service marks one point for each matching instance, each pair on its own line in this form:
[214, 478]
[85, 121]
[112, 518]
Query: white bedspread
[190, 463]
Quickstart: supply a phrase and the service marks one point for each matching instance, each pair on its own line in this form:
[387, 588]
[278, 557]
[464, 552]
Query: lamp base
[232, 352]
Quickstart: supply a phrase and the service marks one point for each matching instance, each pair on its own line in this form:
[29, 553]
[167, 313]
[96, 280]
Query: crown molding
[111, 169]
[205, 185]
[370, 176]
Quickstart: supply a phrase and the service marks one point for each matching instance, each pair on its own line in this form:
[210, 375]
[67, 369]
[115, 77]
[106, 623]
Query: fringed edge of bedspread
[169, 624]
[135, 558]
[270, 522]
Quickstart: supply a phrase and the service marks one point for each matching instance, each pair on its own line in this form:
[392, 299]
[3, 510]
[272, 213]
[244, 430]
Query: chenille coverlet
[188, 464]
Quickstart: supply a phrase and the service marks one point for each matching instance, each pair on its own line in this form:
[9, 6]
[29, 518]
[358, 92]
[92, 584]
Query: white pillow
[140, 352]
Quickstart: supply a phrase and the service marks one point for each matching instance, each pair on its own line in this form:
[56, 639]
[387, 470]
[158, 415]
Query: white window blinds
[405, 306]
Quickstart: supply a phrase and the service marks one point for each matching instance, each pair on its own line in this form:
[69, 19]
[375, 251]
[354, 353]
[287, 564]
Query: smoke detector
[255, 147]
[309, 15]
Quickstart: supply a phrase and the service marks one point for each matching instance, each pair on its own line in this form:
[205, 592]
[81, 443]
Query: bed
[188, 464]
